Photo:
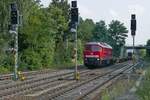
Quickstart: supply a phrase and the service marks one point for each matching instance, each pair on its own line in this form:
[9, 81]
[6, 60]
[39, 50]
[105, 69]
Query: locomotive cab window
[88, 47]
[92, 47]
[95, 48]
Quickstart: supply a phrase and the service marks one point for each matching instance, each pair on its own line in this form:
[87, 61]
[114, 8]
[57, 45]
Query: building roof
[102, 44]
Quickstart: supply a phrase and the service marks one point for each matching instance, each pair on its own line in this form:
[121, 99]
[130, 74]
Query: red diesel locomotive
[97, 54]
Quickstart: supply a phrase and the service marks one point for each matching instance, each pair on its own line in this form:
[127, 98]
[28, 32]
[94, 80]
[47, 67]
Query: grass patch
[117, 90]
[144, 90]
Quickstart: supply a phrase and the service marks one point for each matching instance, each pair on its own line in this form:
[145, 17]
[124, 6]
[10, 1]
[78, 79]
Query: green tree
[100, 32]
[37, 39]
[4, 34]
[60, 25]
[117, 35]
[85, 29]
[44, 33]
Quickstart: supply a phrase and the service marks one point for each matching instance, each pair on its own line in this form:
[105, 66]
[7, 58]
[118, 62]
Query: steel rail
[64, 90]
[109, 81]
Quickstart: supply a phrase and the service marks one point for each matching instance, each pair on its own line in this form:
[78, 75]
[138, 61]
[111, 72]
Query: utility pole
[133, 44]
[74, 25]
[14, 30]
[76, 54]
[133, 32]
[16, 53]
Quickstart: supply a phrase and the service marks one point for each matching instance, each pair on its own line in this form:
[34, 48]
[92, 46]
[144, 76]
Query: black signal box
[133, 24]
[133, 16]
[74, 15]
[14, 14]
[74, 4]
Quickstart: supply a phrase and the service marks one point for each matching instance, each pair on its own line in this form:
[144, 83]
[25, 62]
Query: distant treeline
[44, 36]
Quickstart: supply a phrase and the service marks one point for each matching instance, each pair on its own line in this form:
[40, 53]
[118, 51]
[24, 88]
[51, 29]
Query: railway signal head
[14, 14]
[133, 24]
[74, 12]
[13, 6]
[74, 4]
[74, 15]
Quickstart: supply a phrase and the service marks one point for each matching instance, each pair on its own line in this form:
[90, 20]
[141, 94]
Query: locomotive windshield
[92, 47]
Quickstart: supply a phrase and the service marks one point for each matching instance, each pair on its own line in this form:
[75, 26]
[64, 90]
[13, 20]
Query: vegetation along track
[49, 89]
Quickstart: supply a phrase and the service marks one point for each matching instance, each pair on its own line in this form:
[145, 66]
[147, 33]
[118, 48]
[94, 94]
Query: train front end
[96, 54]
[92, 55]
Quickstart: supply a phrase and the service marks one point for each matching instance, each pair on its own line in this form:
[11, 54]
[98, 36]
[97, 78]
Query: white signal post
[134, 59]
[16, 53]
[75, 50]
[76, 53]
[14, 24]
[74, 22]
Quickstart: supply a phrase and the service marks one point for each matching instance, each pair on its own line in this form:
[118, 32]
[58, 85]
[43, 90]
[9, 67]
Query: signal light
[74, 4]
[133, 24]
[13, 6]
[14, 14]
[133, 16]
[132, 32]
[74, 15]
[14, 17]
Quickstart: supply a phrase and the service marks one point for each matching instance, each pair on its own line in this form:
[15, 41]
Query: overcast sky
[118, 10]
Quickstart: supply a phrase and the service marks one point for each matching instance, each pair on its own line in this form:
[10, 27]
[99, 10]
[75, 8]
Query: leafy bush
[144, 90]
[44, 37]
[4, 70]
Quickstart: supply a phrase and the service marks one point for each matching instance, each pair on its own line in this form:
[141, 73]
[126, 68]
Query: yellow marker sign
[77, 76]
[21, 76]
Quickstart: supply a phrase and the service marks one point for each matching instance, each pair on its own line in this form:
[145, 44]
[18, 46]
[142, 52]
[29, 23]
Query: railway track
[100, 86]
[50, 86]
[8, 78]
[29, 78]
[52, 89]
[27, 74]
[87, 87]
[96, 94]
[12, 89]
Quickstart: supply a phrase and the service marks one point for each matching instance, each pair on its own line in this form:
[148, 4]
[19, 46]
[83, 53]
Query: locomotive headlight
[98, 59]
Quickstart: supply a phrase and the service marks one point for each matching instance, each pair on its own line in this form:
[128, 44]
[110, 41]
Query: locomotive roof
[102, 44]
